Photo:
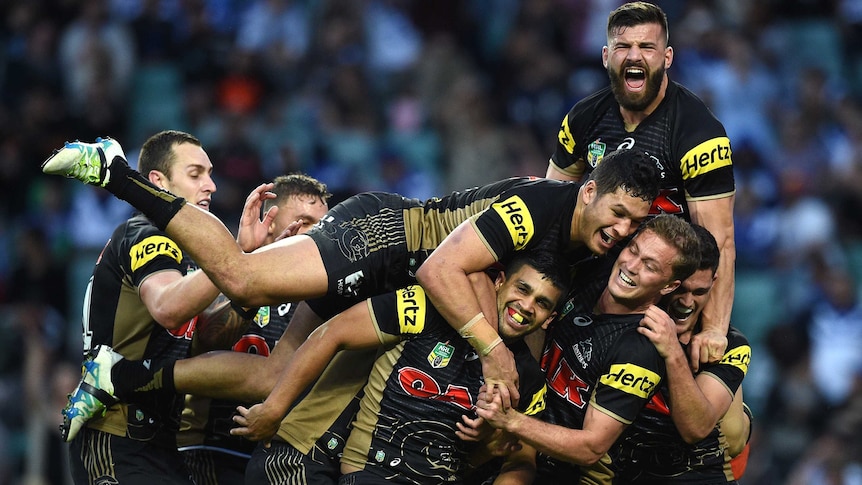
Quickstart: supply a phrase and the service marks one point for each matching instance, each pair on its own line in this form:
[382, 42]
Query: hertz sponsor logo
[518, 220]
[410, 304]
[706, 157]
[738, 357]
[537, 403]
[146, 250]
[565, 136]
[632, 379]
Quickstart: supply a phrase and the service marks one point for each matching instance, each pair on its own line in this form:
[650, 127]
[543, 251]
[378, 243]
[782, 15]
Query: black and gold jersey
[115, 315]
[651, 450]
[596, 360]
[682, 133]
[374, 242]
[418, 391]
[323, 416]
[206, 423]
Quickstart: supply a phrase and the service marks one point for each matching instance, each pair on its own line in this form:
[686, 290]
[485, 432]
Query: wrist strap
[480, 334]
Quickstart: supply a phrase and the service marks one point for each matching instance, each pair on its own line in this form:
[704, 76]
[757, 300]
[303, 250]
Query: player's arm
[352, 329]
[736, 425]
[582, 447]
[173, 299]
[716, 215]
[220, 326]
[444, 276]
[555, 173]
[563, 164]
[519, 468]
[698, 402]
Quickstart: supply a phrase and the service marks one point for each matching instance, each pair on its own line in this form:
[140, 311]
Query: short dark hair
[635, 171]
[677, 232]
[293, 184]
[551, 265]
[637, 13]
[157, 153]
[709, 252]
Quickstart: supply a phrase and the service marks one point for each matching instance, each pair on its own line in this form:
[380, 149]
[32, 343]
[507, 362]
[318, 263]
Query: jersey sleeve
[146, 250]
[403, 313]
[704, 150]
[733, 366]
[631, 374]
[521, 216]
[568, 156]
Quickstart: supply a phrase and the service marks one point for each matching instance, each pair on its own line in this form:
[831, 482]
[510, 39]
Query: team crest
[441, 355]
[380, 456]
[332, 443]
[262, 317]
[584, 351]
[595, 152]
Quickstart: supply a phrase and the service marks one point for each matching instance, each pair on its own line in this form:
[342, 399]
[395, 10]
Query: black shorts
[363, 244]
[96, 457]
[282, 463]
[210, 467]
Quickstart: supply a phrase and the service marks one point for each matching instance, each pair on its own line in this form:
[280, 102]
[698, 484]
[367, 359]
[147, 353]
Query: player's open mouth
[607, 239]
[514, 315]
[635, 77]
[625, 279]
[678, 311]
[204, 203]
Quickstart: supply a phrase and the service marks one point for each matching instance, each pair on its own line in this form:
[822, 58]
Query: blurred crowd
[421, 98]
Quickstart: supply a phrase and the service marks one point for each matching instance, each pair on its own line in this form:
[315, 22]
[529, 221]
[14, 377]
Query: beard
[635, 101]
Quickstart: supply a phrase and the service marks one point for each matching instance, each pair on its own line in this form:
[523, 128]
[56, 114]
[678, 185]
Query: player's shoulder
[735, 338]
[687, 104]
[142, 242]
[139, 227]
[595, 102]
[406, 311]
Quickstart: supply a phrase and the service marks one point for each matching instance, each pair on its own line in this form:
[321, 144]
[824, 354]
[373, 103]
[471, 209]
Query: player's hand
[489, 406]
[292, 229]
[660, 329]
[472, 429]
[707, 346]
[256, 423]
[501, 376]
[253, 230]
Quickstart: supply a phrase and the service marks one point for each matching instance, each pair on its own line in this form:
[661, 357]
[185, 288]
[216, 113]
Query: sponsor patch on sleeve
[706, 157]
[631, 379]
[152, 247]
[411, 305]
[738, 357]
[517, 219]
[565, 136]
[537, 402]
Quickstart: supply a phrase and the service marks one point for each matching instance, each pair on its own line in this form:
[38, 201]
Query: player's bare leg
[289, 270]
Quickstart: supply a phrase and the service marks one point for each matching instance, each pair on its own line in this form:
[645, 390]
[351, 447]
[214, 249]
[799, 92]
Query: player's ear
[499, 280]
[671, 287]
[547, 322]
[157, 178]
[668, 57]
[588, 192]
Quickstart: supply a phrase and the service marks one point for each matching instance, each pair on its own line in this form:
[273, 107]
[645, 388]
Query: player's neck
[607, 303]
